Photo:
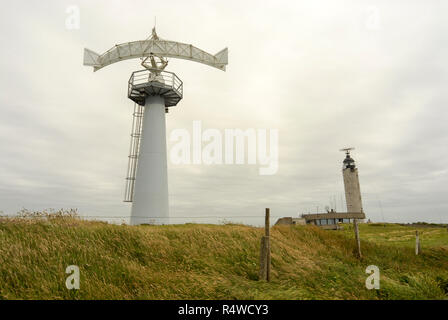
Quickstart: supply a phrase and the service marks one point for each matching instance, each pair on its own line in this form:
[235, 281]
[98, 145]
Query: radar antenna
[347, 150]
[154, 63]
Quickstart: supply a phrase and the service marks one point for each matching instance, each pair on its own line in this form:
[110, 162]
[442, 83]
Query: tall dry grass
[203, 262]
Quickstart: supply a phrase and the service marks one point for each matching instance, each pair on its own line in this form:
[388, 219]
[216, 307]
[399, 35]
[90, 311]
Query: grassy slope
[209, 262]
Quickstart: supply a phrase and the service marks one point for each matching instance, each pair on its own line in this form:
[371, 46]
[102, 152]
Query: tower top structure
[348, 162]
[347, 150]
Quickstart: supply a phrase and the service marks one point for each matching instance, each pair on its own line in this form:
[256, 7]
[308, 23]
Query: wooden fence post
[265, 252]
[358, 240]
[417, 243]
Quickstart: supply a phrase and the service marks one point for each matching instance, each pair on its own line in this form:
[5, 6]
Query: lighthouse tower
[351, 183]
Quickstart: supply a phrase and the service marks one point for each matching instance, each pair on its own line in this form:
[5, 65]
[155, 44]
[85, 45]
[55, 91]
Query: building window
[323, 222]
[331, 221]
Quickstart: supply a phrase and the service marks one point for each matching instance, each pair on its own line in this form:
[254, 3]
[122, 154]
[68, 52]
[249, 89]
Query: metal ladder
[136, 134]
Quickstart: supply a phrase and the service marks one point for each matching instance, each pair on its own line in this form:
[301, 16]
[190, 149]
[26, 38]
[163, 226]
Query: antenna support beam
[153, 47]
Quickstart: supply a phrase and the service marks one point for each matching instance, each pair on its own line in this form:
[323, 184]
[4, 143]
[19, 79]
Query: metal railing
[165, 79]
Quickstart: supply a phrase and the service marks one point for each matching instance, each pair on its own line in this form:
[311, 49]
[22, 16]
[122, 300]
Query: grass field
[215, 261]
[402, 236]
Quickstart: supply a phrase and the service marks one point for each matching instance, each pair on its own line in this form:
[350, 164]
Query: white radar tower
[153, 90]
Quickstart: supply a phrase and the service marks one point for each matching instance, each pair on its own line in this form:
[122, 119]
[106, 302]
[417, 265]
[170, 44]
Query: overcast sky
[326, 74]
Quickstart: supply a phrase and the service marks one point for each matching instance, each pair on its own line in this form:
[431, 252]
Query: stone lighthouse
[351, 183]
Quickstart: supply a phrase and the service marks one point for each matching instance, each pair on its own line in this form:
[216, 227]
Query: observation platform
[144, 83]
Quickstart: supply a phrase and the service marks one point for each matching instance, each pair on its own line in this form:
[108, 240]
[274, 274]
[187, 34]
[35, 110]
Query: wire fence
[129, 216]
[249, 220]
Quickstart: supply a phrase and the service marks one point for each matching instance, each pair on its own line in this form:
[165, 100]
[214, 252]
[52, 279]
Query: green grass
[403, 236]
[214, 262]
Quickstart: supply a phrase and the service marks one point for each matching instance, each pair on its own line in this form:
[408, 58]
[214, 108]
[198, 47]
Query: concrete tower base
[150, 205]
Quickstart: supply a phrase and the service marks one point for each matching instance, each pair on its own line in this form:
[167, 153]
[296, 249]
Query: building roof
[335, 215]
